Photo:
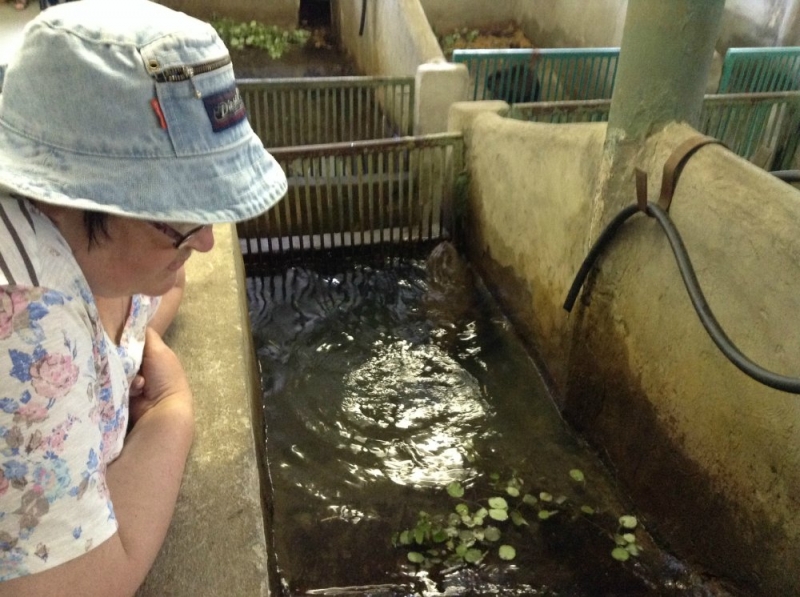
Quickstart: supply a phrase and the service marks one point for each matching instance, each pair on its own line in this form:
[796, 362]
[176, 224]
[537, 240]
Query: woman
[144, 147]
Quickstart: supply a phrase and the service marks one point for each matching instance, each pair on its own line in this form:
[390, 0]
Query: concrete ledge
[216, 545]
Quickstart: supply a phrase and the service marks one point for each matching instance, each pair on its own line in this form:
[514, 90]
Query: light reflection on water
[420, 394]
[376, 396]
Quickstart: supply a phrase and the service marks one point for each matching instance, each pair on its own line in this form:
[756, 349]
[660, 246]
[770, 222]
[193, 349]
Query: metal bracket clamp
[672, 171]
[675, 163]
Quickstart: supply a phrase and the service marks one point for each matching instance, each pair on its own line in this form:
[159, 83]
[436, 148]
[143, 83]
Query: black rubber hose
[787, 175]
[768, 378]
[363, 17]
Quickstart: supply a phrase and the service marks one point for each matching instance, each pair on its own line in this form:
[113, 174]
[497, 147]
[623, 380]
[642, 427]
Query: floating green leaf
[455, 489]
[439, 536]
[628, 522]
[492, 533]
[506, 552]
[529, 499]
[545, 514]
[466, 536]
[498, 514]
[498, 503]
[620, 553]
[512, 491]
[545, 497]
[518, 519]
[587, 510]
[415, 557]
[473, 556]
[577, 475]
[633, 549]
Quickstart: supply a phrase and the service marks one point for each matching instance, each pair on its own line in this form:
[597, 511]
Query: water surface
[379, 390]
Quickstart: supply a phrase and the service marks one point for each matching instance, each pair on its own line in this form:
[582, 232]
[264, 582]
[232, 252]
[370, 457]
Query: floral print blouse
[63, 397]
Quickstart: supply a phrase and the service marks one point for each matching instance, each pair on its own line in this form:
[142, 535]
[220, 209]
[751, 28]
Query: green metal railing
[753, 70]
[547, 74]
[761, 127]
[364, 194]
[311, 111]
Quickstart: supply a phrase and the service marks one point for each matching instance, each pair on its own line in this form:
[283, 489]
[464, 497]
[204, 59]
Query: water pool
[380, 389]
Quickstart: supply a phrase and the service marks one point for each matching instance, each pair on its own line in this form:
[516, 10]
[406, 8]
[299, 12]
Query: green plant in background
[474, 530]
[239, 35]
[459, 37]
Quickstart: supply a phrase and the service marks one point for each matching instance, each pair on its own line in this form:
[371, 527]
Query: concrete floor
[11, 23]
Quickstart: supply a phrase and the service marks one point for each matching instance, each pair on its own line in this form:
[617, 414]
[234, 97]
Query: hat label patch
[225, 109]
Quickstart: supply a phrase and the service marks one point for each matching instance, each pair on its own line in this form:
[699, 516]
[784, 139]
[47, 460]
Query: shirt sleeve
[61, 419]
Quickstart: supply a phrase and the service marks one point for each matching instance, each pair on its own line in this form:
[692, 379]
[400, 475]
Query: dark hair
[96, 224]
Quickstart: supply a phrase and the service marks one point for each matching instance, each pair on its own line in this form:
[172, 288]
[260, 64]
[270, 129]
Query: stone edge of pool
[216, 544]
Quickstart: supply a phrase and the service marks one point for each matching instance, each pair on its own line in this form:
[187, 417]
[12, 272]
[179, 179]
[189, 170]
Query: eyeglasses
[179, 238]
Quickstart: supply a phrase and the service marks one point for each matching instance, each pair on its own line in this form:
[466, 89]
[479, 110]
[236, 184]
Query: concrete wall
[216, 544]
[396, 37]
[710, 454]
[572, 23]
[447, 15]
[566, 23]
[398, 41]
[577, 23]
[283, 13]
[760, 23]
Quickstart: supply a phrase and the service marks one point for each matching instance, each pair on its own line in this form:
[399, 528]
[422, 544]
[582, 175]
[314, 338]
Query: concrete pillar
[665, 59]
[664, 62]
[438, 85]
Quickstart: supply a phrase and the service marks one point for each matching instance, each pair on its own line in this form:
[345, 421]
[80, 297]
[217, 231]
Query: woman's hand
[143, 483]
[161, 377]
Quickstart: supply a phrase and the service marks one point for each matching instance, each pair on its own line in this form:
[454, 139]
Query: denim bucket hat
[130, 108]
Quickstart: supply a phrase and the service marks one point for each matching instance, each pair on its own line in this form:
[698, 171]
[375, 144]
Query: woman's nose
[202, 241]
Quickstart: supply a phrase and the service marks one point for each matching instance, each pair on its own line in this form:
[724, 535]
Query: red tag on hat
[159, 114]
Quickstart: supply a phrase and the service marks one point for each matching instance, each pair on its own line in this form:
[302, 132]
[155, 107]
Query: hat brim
[239, 183]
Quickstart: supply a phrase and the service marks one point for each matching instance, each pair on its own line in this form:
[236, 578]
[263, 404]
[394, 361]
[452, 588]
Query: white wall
[572, 23]
[448, 15]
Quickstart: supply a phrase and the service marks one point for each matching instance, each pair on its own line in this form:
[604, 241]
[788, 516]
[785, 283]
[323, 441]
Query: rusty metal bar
[379, 195]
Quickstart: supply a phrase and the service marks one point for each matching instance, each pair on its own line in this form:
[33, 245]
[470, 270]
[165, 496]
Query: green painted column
[665, 58]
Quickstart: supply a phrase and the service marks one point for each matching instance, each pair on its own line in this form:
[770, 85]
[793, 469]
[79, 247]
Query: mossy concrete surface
[709, 455]
[216, 544]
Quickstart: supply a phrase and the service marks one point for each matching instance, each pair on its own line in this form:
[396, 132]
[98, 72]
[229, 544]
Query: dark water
[379, 389]
[302, 61]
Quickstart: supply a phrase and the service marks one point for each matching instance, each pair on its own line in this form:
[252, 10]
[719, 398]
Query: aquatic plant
[275, 40]
[474, 530]
[457, 38]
